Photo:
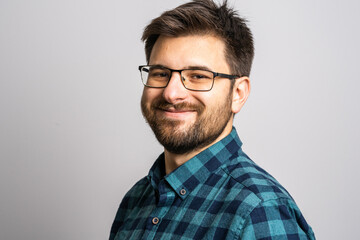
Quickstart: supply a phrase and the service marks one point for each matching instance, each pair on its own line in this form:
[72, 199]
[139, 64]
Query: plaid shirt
[218, 194]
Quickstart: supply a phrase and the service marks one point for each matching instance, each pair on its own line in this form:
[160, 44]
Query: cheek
[210, 99]
[217, 101]
[149, 94]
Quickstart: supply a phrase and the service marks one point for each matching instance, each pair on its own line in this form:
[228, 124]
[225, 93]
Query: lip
[177, 113]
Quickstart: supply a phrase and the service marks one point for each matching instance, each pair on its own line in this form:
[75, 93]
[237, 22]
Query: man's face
[185, 120]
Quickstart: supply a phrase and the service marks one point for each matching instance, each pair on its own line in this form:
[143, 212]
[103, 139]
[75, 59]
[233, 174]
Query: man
[203, 186]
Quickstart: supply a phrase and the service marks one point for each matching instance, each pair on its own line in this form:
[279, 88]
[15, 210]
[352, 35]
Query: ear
[241, 91]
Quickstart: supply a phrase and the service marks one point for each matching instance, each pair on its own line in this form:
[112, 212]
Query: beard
[178, 136]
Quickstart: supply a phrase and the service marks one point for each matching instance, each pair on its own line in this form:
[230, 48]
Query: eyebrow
[198, 67]
[193, 67]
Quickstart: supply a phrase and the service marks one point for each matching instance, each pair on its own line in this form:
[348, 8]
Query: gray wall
[72, 139]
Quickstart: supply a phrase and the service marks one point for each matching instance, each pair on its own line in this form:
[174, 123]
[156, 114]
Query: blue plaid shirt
[218, 194]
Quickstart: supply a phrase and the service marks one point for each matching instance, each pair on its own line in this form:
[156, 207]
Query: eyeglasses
[157, 76]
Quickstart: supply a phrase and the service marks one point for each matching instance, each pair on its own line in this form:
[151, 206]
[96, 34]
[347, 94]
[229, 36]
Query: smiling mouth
[177, 113]
[174, 110]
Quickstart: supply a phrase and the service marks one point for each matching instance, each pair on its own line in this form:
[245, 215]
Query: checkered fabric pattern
[218, 194]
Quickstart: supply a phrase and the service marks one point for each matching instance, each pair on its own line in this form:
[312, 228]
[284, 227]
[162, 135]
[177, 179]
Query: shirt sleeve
[276, 219]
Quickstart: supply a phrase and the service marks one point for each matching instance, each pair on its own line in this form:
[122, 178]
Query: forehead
[192, 50]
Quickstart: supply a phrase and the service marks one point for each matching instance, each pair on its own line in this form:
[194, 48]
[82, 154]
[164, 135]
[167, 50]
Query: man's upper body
[203, 186]
[218, 194]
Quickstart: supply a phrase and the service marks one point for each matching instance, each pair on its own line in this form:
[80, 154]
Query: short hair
[201, 17]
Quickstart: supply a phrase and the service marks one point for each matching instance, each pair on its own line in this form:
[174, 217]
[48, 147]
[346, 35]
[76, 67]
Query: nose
[175, 91]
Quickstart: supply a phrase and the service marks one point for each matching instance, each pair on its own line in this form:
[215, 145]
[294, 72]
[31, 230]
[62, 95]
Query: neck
[173, 160]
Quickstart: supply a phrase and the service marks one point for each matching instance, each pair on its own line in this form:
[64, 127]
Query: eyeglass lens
[193, 79]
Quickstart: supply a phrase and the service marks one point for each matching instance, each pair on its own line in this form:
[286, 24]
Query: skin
[189, 51]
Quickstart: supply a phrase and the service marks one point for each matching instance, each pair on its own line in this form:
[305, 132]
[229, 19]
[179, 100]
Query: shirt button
[155, 220]
[183, 192]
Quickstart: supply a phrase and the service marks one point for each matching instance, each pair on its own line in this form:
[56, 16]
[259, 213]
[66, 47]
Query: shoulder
[279, 218]
[129, 202]
[273, 211]
[135, 193]
[249, 175]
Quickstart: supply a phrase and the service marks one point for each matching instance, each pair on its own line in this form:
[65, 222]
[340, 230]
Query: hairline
[229, 58]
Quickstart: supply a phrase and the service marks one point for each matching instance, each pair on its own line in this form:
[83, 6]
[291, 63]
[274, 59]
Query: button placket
[165, 200]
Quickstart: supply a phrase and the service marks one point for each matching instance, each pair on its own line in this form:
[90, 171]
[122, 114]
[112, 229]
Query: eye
[198, 75]
[158, 73]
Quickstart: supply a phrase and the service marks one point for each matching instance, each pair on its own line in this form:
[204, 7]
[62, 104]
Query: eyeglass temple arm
[141, 68]
[226, 75]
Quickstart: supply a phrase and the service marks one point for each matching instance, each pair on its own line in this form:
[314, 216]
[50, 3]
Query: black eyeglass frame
[215, 74]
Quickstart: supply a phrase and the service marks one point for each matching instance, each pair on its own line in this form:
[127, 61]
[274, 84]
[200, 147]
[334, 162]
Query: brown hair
[205, 17]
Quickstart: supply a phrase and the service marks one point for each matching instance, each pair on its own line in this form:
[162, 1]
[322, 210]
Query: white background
[73, 141]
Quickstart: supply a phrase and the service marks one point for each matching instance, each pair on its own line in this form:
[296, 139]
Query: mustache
[164, 105]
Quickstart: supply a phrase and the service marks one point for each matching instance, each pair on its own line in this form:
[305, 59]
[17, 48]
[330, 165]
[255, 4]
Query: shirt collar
[157, 172]
[186, 177]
